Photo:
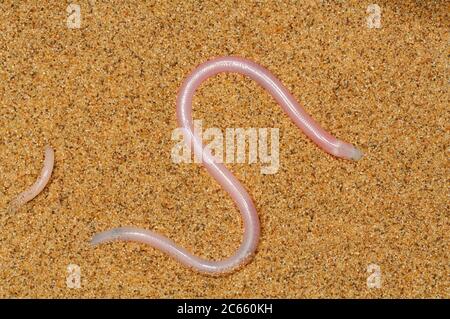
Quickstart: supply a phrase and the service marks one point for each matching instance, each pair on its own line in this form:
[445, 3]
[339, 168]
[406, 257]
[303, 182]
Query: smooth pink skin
[222, 175]
[40, 183]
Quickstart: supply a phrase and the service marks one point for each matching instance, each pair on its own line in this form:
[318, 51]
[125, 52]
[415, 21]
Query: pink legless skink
[40, 183]
[222, 175]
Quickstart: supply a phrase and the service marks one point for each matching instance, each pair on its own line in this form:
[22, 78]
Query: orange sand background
[104, 97]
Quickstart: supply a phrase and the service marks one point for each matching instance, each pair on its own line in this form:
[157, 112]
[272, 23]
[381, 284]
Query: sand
[104, 97]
